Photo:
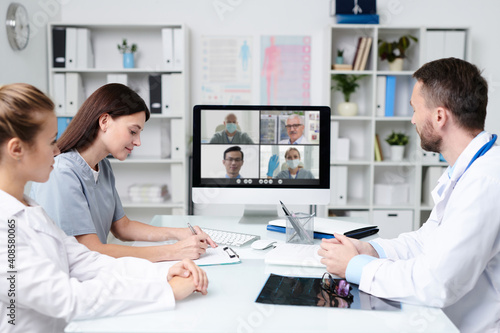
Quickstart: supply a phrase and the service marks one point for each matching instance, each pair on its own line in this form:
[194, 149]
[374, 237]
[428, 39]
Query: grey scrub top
[75, 201]
[239, 138]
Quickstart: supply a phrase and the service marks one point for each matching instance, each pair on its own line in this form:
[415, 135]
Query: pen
[191, 228]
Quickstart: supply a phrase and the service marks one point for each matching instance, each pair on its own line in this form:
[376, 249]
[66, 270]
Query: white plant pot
[397, 153]
[396, 65]
[347, 109]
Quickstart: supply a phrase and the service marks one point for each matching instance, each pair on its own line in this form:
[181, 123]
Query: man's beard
[429, 141]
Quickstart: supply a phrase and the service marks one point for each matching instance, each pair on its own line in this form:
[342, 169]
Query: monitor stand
[259, 214]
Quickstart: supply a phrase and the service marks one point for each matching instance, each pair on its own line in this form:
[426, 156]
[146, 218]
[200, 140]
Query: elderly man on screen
[295, 129]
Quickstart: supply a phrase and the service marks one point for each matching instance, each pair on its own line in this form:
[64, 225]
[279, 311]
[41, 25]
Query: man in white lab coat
[453, 260]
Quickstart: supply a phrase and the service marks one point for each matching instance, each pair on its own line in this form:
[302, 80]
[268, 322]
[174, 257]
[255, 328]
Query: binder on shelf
[333, 140]
[381, 81]
[177, 138]
[59, 47]
[60, 93]
[74, 93]
[62, 124]
[85, 54]
[155, 92]
[167, 36]
[178, 48]
[338, 185]
[178, 184]
[71, 42]
[366, 53]
[172, 93]
[390, 95]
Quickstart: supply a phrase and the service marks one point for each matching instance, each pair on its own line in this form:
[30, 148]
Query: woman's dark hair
[114, 99]
[458, 86]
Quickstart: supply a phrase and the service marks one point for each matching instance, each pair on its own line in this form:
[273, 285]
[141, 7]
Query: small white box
[390, 194]
[342, 153]
[430, 157]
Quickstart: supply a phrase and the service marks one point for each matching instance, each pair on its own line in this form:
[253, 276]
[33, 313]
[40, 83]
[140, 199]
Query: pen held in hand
[191, 228]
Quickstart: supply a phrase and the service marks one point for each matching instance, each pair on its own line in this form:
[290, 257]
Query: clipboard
[221, 255]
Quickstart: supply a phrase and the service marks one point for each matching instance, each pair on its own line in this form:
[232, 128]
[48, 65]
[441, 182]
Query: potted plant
[394, 52]
[128, 53]
[340, 57]
[347, 84]
[397, 141]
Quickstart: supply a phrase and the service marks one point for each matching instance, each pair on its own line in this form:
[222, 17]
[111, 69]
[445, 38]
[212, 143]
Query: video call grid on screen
[262, 133]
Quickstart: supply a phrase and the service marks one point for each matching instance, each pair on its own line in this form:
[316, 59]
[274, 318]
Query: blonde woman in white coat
[48, 278]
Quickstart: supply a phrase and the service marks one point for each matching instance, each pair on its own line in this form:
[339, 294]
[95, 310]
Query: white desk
[230, 304]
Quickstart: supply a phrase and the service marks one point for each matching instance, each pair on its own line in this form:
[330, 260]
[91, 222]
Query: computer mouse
[262, 244]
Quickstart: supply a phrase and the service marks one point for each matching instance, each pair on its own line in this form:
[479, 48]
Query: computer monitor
[236, 168]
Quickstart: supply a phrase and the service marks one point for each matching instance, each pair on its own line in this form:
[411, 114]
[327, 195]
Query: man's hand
[337, 254]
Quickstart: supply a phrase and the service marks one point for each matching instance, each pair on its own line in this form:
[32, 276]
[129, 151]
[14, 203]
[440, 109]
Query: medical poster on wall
[227, 70]
[285, 70]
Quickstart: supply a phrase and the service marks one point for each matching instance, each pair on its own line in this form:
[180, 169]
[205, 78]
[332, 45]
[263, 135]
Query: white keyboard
[231, 238]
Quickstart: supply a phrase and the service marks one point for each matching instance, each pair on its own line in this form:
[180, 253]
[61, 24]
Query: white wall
[302, 17]
[255, 18]
[30, 64]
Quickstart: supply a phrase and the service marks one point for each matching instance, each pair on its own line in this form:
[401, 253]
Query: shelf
[395, 118]
[351, 162]
[357, 176]
[334, 117]
[113, 70]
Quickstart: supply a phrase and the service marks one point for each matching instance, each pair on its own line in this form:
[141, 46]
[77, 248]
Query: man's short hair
[300, 118]
[233, 148]
[458, 86]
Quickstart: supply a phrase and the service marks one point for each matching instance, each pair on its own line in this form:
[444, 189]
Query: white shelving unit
[363, 172]
[151, 162]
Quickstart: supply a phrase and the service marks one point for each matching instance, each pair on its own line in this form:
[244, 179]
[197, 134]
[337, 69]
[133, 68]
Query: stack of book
[148, 193]
[362, 53]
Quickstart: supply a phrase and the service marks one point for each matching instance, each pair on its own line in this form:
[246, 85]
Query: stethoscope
[480, 153]
[441, 195]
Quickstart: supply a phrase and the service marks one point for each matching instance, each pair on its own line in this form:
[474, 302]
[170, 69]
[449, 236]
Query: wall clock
[17, 25]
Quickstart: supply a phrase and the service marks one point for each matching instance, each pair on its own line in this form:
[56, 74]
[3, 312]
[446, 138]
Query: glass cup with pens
[299, 227]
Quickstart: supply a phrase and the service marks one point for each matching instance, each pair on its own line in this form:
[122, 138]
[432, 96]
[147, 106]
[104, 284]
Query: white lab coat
[58, 279]
[453, 260]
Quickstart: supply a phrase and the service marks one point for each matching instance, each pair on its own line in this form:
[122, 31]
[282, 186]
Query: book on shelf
[342, 67]
[357, 19]
[366, 53]
[379, 156]
[390, 95]
[356, 54]
[359, 55]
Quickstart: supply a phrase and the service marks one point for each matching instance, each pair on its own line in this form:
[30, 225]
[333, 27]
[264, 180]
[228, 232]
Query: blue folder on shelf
[324, 228]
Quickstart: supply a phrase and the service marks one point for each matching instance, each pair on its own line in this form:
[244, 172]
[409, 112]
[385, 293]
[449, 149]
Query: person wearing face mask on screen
[295, 169]
[230, 133]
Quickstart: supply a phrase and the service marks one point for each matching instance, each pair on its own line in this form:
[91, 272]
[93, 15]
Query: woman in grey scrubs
[80, 195]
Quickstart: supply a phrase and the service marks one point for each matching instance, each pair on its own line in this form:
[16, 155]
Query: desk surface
[230, 304]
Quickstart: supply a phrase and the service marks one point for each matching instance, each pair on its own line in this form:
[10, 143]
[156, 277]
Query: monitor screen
[261, 154]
